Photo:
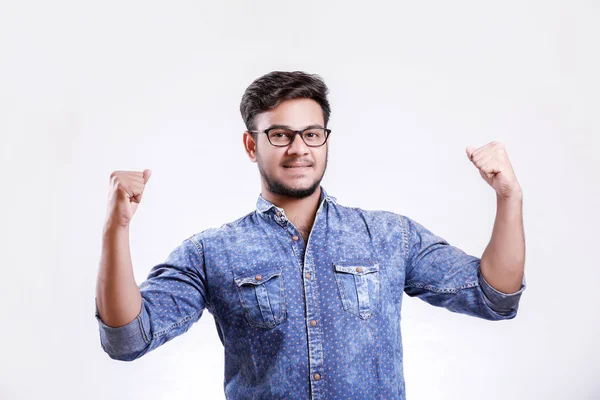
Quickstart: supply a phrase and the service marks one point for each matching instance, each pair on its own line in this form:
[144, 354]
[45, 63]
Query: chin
[303, 182]
[298, 188]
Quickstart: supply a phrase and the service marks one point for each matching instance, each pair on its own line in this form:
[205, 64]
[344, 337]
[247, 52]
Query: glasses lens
[314, 137]
[280, 136]
[283, 137]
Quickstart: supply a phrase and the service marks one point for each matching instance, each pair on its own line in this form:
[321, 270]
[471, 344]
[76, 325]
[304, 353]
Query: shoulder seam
[199, 246]
[404, 235]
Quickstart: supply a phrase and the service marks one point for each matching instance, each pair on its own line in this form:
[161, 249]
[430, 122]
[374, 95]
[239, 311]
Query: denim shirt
[307, 320]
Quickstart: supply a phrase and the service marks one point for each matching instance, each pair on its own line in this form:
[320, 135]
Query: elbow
[128, 342]
[494, 314]
[123, 354]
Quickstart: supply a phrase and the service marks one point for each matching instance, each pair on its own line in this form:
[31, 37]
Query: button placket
[314, 331]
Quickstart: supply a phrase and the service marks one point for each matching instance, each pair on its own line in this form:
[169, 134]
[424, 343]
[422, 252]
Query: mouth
[299, 166]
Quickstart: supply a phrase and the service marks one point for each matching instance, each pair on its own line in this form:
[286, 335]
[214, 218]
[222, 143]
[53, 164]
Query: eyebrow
[289, 127]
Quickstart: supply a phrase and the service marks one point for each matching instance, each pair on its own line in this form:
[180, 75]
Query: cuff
[125, 342]
[502, 303]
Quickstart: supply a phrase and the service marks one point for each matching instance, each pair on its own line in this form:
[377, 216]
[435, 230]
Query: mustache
[298, 162]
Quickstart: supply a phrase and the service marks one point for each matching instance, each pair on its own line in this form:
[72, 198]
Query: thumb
[470, 151]
[147, 174]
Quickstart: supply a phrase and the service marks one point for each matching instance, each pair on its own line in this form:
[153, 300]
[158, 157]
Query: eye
[279, 133]
[313, 134]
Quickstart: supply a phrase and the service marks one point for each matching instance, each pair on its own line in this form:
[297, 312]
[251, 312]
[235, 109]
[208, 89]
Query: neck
[300, 212]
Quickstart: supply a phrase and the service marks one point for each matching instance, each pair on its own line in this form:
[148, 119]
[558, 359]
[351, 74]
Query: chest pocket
[358, 284]
[262, 297]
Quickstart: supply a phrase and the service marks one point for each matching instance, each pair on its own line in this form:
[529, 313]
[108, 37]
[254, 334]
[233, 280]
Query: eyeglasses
[281, 137]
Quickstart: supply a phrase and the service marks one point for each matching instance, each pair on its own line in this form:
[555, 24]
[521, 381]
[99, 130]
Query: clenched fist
[125, 193]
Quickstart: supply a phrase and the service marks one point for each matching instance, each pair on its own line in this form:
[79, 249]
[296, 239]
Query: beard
[277, 187]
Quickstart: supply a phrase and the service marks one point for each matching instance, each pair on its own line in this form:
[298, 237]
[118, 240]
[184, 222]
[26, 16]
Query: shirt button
[307, 275]
[279, 213]
[359, 269]
[258, 277]
[295, 237]
[317, 377]
[313, 322]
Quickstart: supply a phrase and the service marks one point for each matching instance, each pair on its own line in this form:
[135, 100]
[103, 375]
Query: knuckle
[115, 176]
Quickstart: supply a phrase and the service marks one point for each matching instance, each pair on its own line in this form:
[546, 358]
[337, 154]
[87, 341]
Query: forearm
[118, 297]
[503, 261]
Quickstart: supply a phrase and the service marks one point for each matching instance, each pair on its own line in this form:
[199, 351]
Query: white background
[86, 89]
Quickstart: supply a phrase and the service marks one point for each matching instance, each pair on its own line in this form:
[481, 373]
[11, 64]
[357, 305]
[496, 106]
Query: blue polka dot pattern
[318, 320]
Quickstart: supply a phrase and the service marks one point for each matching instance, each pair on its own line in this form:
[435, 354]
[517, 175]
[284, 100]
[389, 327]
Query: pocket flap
[356, 268]
[256, 277]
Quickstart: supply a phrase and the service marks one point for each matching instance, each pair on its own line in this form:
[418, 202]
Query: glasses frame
[294, 133]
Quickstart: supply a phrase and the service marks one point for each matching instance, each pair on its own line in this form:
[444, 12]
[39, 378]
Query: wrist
[112, 225]
[514, 194]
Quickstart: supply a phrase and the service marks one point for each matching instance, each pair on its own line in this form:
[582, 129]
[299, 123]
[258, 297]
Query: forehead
[296, 113]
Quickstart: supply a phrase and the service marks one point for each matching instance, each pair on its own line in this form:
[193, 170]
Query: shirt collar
[263, 205]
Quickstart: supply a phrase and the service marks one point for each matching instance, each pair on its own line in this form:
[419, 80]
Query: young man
[305, 292]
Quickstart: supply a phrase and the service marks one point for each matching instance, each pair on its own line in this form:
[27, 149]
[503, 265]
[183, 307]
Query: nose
[297, 146]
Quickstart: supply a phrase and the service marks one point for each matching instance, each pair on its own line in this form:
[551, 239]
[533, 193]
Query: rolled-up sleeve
[502, 303]
[124, 342]
[174, 296]
[445, 276]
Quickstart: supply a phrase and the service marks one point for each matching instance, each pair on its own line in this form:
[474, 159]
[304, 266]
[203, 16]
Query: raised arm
[135, 320]
[503, 261]
[118, 297]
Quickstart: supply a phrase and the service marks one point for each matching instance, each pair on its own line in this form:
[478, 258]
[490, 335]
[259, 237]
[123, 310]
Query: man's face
[295, 170]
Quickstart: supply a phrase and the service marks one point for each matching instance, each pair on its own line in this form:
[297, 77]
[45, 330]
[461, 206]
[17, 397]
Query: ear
[250, 145]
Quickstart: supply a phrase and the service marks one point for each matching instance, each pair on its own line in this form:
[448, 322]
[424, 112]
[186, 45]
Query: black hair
[271, 89]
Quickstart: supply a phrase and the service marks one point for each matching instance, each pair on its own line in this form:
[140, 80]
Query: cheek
[268, 160]
[322, 159]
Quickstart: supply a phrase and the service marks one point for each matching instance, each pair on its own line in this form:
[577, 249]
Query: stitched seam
[435, 289]
[200, 248]
[261, 324]
[338, 275]
[175, 325]
[249, 318]
[404, 237]
[141, 325]
[431, 288]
